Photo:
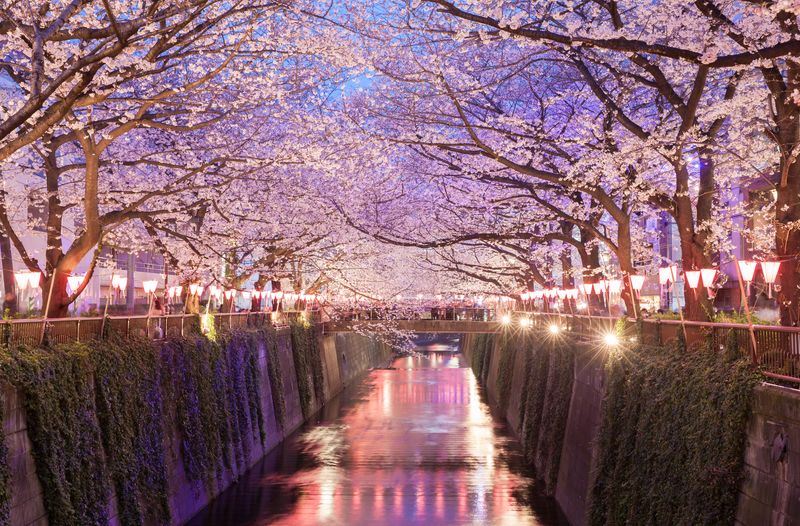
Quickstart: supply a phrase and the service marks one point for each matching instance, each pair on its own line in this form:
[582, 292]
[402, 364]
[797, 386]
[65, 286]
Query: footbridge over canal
[420, 326]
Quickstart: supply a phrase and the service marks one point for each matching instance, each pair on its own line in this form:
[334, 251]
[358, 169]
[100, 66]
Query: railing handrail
[689, 323]
[142, 316]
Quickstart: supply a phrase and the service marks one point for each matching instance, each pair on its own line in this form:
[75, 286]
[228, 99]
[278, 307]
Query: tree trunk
[787, 243]
[626, 266]
[698, 307]
[10, 299]
[59, 306]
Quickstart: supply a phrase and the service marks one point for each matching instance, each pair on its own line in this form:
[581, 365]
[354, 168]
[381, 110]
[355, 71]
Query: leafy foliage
[5, 475]
[215, 390]
[308, 364]
[275, 377]
[672, 440]
[544, 406]
[127, 375]
[59, 402]
[480, 355]
[505, 369]
[544, 399]
[97, 416]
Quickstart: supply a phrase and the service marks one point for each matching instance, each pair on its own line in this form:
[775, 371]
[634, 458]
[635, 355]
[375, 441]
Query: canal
[411, 444]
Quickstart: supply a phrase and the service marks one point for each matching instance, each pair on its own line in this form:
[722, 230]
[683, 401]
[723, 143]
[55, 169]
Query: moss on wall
[480, 353]
[58, 397]
[672, 440]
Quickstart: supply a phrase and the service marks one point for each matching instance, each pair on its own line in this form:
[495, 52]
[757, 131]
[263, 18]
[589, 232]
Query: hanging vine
[129, 401]
[67, 447]
[671, 445]
[275, 377]
[308, 364]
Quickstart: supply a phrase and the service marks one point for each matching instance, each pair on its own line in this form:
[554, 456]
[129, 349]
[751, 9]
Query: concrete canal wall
[765, 485]
[343, 357]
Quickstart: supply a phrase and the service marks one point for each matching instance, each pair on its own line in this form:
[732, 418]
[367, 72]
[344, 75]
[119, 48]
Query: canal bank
[656, 436]
[263, 387]
[411, 444]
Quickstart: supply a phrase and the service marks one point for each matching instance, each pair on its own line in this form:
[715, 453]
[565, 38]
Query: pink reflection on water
[416, 446]
[423, 443]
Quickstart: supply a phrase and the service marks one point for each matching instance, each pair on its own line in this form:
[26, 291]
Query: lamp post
[749, 266]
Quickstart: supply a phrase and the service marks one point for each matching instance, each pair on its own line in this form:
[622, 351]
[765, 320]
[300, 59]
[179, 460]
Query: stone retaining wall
[770, 490]
[345, 358]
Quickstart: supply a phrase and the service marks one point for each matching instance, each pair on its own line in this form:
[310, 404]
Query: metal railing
[776, 351]
[78, 329]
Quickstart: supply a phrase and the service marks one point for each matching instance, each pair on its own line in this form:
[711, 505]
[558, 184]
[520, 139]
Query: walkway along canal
[411, 444]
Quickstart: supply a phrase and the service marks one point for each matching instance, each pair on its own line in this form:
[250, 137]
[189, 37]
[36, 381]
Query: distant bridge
[419, 326]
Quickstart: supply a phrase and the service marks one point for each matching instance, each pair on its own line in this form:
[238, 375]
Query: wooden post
[637, 312]
[680, 310]
[108, 300]
[47, 307]
[746, 302]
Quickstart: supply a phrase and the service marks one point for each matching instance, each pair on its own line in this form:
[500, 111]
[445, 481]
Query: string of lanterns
[604, 288]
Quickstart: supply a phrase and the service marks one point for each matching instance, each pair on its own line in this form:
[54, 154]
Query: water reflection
[413, 444]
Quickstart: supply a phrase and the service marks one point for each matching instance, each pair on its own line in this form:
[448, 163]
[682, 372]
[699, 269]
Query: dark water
[410, 445]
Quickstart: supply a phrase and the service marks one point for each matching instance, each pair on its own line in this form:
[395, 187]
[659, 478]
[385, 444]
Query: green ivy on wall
[214, 388]
[480, 352]
[128, 395]
[555, 410]
[98, 414]
[308, 364]
[544, 405]
[672, 439]
[275, 377]
[505, 369]
[5, 475]
[59, 401]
